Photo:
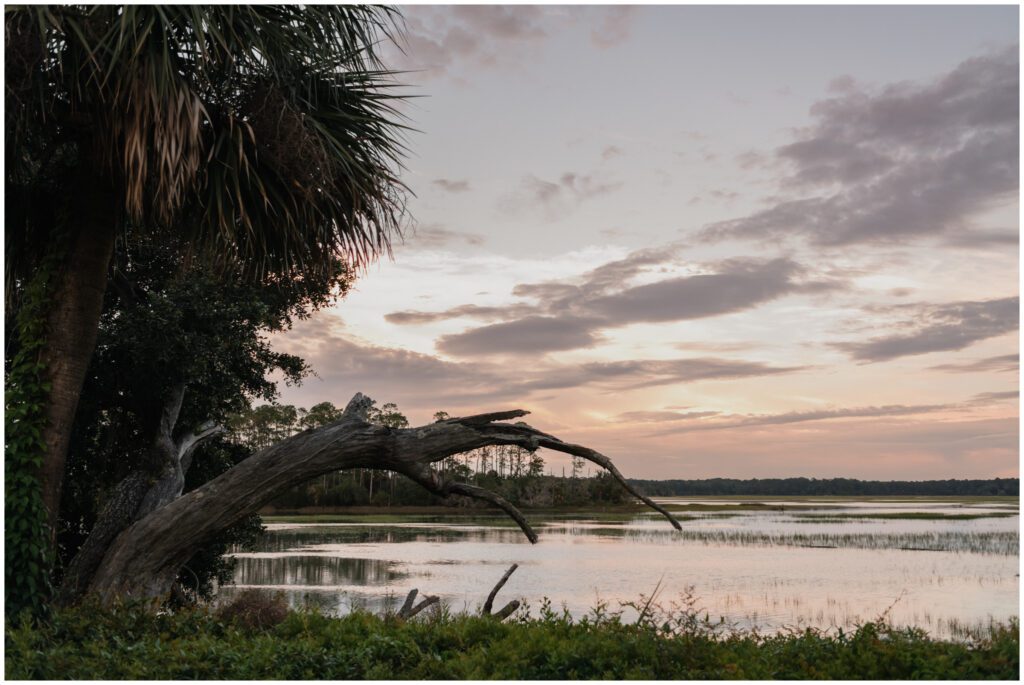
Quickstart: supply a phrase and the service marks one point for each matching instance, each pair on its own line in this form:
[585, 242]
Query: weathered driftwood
[145, 558]
[408, 610]
[407, 606]
[497, 586]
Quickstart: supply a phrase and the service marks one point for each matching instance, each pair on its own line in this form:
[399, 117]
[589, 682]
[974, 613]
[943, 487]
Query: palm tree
[264, 140]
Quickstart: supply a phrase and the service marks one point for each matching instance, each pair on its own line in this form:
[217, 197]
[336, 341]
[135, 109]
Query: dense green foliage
[132, 644]
[26, 533]
[828, 486]
[164, 325]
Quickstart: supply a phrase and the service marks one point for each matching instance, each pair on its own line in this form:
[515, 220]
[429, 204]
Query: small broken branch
[358, 407]
[500, 584]
[408, 610]
[507, 610]
[430, 600]
[188, 444]
[407, 606]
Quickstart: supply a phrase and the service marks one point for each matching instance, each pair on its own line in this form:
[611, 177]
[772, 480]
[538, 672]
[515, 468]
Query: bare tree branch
[407, 606]
[479, 419]
[432, 482]
[188, 444]
[430, 600]
[554, 443]
[507, 610]
[500, 584]
[476, 492]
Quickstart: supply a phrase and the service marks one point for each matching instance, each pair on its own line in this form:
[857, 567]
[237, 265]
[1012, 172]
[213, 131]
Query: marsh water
[947, 566]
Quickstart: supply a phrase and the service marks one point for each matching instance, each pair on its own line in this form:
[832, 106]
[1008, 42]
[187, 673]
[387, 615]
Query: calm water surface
[792, 563]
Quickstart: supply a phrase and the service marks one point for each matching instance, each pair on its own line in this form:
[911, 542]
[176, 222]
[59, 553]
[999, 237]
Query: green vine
[28, 551]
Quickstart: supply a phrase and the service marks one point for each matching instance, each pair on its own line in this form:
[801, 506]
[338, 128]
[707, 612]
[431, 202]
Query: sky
[743, 242]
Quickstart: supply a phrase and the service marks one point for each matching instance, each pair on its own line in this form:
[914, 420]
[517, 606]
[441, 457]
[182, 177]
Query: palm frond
[265, 135]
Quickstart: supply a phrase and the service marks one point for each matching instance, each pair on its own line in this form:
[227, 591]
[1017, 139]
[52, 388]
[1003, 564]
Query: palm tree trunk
[72, 326]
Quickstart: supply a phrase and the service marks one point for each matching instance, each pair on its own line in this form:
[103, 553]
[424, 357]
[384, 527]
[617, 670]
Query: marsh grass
[902, 515]
[978, 542]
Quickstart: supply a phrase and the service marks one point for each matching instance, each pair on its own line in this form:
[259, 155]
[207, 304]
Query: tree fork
[158, 481]
[144, 560]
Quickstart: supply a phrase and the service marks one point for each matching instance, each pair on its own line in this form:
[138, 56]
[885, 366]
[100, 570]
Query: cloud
[741, 284]
[1005, 362]
[745, 421]
[436, 236]
[451, 186]
[565, 313]
[719, 346]
[474, 311]
[555, 199]
[617, 273]
[661, 416]
[985, 239]
[994, 397]
[442, 39]
[611, 151]
[345, 365]
[752, 159]
[938, 328]
[437, 38]
[530, 335]
[613, 27]
[643, 373]
[898, 163]
[509, 22]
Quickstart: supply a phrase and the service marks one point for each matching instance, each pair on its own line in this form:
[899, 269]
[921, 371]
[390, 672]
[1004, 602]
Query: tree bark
[158, 481]
[72, 326]
[144, 560]
[489, 604]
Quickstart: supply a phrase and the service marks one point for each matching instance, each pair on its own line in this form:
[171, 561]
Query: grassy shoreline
[87, 643]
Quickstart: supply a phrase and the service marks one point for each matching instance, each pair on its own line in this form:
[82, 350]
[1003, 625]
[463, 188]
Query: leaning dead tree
[144, 560]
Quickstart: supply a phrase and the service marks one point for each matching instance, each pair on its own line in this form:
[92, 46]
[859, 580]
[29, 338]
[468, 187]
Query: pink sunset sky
[706, 241]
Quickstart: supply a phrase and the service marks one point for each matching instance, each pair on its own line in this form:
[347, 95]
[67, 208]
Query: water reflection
[768, 568]
[303, 570]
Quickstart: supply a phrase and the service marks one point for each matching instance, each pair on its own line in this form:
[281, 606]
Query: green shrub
[132, 643]
[255, 610]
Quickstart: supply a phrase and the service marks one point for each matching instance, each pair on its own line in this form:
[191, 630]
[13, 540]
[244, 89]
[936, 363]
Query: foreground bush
[87, 643]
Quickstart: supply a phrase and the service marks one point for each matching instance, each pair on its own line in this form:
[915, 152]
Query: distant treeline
[827, 486]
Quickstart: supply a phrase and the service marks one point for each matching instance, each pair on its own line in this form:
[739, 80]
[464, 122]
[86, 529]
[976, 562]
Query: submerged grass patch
[986, 542]
[911, 515]
[87, 643]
